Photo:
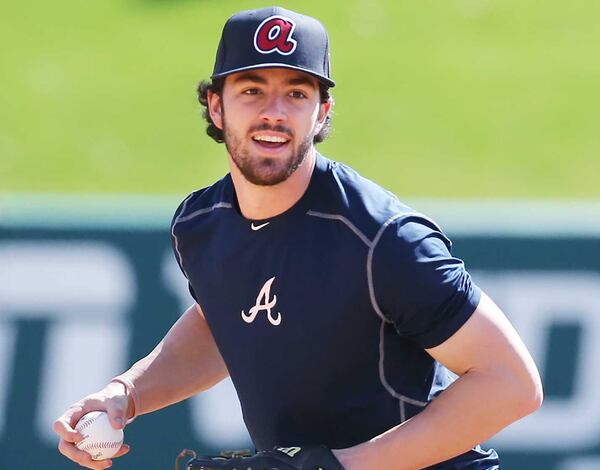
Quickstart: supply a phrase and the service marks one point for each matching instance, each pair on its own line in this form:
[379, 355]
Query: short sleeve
[417, 283]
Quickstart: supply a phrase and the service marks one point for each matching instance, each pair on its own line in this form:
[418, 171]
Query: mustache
[278, 128]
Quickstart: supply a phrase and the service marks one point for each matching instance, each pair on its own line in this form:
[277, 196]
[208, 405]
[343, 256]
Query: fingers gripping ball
[100, 439]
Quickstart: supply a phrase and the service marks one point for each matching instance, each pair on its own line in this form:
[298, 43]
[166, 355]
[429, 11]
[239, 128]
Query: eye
[297, 94]
[251, 91]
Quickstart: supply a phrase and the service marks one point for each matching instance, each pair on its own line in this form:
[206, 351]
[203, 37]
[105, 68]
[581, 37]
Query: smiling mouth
[270, 141]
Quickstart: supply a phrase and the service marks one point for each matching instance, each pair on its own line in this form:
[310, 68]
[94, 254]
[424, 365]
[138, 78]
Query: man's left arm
[498, 384]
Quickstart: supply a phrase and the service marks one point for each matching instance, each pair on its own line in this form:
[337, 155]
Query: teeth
[270, 138]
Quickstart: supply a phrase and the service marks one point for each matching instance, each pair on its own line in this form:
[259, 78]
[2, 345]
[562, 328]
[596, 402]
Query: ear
[215, 109]
[324, 109]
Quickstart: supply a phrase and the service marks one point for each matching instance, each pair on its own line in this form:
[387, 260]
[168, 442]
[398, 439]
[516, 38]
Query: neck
[263, 202]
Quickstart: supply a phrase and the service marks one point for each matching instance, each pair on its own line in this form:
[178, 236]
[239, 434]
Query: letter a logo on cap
[275, 34]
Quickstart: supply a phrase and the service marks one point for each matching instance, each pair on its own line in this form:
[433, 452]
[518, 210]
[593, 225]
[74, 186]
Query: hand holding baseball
[113, 401]
[100, 439]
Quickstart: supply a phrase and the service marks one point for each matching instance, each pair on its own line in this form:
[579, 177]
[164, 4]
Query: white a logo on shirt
[263, 303]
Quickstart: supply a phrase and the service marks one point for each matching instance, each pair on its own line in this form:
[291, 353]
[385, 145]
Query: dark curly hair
[216, 86]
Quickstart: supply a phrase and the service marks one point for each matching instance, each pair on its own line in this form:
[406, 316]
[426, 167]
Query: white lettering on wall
[85, 289]
[534, 301]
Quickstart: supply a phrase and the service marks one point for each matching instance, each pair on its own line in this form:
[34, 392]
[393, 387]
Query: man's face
[269, 118]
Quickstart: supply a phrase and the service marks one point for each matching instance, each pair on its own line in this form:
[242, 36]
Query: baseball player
[354, 339]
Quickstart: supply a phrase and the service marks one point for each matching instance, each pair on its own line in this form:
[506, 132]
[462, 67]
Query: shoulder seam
[345, 221]
[378, 236]
[175, 240]
[403, 399]
[182, 218]
[218, 205]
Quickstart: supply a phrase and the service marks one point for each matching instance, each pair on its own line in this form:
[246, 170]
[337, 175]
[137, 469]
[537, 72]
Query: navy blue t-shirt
[322, 313]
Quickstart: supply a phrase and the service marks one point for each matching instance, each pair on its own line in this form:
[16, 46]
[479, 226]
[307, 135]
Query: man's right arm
[185, 362]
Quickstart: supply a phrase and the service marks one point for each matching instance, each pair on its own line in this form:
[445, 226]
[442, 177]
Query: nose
[274, 109]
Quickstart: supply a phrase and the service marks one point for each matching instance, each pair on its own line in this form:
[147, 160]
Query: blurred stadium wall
[85, 292]
[482, 113]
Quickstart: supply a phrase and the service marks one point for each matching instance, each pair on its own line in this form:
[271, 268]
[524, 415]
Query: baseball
[100, 439]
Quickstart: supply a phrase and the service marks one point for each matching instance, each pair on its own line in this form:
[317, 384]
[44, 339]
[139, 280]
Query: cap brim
[326, 81]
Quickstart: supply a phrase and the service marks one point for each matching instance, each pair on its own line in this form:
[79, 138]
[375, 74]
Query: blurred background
[482, 114]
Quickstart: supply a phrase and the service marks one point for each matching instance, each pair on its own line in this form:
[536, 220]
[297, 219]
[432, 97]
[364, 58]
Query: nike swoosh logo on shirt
[258, 227]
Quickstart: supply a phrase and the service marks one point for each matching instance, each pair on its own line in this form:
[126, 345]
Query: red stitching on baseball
[101, 445]
[86, 422]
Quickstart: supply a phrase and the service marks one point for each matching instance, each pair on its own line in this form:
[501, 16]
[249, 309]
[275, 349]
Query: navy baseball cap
[273, 37]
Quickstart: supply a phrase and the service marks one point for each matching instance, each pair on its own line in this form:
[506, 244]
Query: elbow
[530, 396]
[536, 395]
[519, 392]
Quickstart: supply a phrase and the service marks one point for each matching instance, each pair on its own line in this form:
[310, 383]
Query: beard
[265, 171]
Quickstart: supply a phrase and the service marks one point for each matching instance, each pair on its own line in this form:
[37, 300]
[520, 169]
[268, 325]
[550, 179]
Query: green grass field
[462, 98]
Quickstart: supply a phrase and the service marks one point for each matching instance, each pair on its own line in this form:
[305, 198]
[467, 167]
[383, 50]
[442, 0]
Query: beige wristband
[131, 391]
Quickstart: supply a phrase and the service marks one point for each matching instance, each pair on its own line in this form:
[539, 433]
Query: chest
[293, 298]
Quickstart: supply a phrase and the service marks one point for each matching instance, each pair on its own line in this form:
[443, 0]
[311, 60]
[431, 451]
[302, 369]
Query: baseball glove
[280, 458]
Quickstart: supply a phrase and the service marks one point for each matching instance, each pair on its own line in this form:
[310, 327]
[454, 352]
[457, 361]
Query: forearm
[498, 384]
[184, 363]
[473, 409]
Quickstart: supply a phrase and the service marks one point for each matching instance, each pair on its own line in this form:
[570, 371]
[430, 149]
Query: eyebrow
[301, 81]
[252, 77]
